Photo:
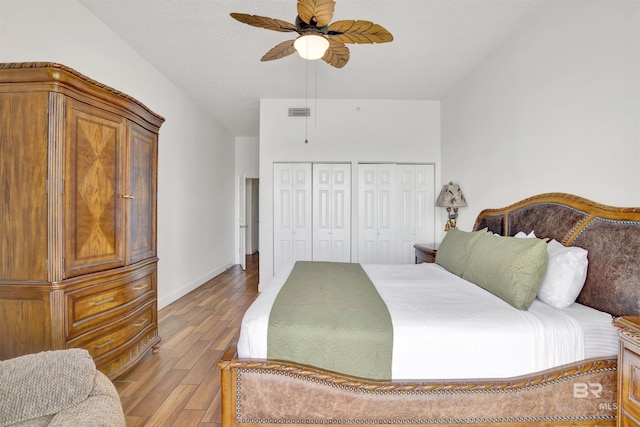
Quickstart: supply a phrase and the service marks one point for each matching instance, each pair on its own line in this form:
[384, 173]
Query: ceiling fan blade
[337, 55]
[353, 31]
[316, 12]
[264, 22]
[279, 51]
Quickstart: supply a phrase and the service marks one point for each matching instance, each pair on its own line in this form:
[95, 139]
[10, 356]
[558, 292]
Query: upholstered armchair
[57, 388]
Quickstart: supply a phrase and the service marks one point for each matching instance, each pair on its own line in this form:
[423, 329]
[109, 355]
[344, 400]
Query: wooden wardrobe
[78, 190]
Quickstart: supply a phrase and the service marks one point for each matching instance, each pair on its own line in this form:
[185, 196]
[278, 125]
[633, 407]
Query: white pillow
[565, 276]
[522, 234]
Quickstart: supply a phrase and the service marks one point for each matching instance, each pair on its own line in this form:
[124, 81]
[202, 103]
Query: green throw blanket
[329, 315]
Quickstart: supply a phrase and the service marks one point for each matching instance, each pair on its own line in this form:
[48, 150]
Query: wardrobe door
[415, 209]
[141, 193]
[94, 214]
[377, 213]
[292, 225]
[332, 212]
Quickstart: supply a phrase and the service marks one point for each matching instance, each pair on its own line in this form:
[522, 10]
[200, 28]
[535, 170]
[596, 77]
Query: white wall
[247, 166]
[347, 130]
[196, 164]
[247, 157]
[555, 108]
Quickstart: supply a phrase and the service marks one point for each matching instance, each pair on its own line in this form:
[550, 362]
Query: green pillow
[508, 267]
[453, 251]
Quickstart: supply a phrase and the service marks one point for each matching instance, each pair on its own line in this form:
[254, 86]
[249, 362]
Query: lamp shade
[311, 46]
[451, 197]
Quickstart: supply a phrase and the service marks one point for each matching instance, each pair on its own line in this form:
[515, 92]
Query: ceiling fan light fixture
[311, 46]
[319, 38]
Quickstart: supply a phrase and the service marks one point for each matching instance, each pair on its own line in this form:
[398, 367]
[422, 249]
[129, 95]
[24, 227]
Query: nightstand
[629, 371]
[425, 252]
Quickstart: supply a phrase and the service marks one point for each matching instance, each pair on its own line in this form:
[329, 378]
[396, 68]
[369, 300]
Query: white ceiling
[216, 60]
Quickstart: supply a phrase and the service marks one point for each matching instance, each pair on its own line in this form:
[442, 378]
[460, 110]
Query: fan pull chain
[315, 94]
[306, 101]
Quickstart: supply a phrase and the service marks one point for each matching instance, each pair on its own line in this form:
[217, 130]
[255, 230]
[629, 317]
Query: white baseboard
[193, 285]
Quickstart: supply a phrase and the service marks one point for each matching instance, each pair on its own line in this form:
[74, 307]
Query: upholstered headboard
[611, 235]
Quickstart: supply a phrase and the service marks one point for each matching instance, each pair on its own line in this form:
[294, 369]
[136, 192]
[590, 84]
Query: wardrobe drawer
[629, 380]
[93, 307]
[110, 338]
[121, 360]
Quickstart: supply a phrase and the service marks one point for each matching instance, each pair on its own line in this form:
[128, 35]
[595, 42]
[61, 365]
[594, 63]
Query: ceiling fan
[317, 37]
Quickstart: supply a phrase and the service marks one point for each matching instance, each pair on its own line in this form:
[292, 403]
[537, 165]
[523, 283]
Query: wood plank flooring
[180, 385]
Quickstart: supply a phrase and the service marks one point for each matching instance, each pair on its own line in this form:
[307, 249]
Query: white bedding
[446, 327]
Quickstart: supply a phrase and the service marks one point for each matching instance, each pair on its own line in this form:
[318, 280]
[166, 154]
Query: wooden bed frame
[267, 392]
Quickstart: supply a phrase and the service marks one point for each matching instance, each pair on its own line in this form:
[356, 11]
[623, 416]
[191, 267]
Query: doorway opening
[249, 224]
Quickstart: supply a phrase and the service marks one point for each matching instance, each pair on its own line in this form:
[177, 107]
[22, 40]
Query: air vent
[300, 112]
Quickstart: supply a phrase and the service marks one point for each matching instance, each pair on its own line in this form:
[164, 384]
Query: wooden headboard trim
[577, 229]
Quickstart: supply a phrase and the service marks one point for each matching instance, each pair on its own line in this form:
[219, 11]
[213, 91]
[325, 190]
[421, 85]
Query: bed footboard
[262, 392]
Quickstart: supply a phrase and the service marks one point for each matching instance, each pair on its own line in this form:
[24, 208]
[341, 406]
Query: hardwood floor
[180, 385]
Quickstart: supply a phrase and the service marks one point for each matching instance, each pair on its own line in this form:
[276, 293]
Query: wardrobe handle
[104, 301]
[142, 322]
[127, 196]
[104, 344]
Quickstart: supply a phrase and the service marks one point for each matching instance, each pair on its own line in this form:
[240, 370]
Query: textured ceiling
[216, 60]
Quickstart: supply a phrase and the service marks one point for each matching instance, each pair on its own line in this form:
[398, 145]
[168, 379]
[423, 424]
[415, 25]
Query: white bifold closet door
[395, 211]
[292, 225]
[332, 212]
[415, 219]
[377, 213]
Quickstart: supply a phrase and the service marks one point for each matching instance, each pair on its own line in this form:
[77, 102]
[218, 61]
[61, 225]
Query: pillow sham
[510, 268]
[565, 276]
[454, 249]
[522, 234]
[566, 273]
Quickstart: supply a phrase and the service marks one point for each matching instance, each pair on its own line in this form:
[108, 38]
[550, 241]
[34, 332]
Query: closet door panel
[331, 212]
[415, 209]
[367, 214]
[341, 217]
[425, 204]
[321, 212]
[303, 226]
[291, 213]
[341, 213]
[376, 217]
[282, 228]
[387, 227]
[302, 223]
[407, 215]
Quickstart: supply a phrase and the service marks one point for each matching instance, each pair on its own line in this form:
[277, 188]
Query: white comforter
[446, 327]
